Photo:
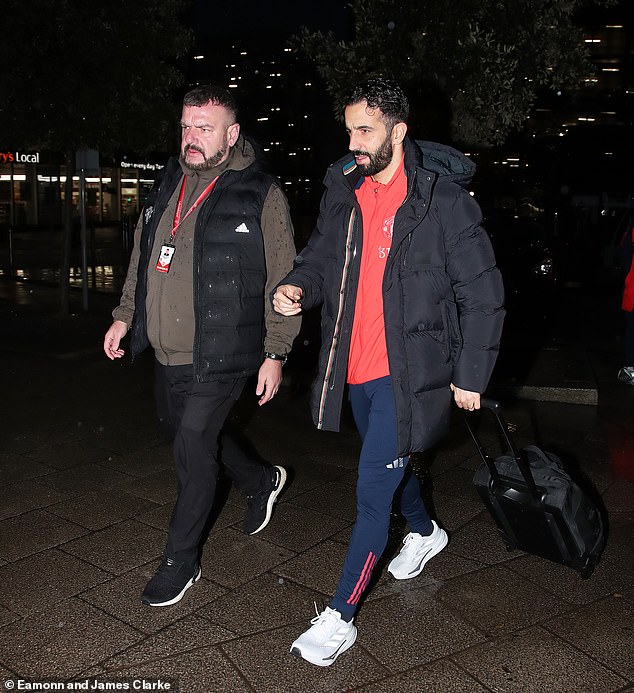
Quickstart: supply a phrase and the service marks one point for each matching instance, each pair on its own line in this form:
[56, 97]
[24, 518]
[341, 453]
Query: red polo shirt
[368, 351]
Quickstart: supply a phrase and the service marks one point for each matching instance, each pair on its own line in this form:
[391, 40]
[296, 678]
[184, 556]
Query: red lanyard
[179, 206]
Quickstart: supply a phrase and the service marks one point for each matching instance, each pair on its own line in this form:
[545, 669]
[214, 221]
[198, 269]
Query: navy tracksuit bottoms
[383, 477]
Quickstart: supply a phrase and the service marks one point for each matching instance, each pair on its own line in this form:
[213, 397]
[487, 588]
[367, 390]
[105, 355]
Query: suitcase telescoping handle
[495, 408]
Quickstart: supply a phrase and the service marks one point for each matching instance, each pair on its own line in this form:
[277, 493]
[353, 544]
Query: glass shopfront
[32, 190]
[137, 179]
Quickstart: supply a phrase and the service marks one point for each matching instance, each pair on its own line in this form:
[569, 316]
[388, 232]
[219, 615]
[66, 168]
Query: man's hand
[465, 399]
[269, 380]
[287, 300]
[113, 338]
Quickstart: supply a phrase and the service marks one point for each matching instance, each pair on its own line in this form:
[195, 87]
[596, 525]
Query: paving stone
[205, 670]
[243, 610]
[83, 479]
[47, 577]
[120, 547]
[533, 660]
[160, 487]
[61, 640]
[158, 516]
[7, 616]
[69, 454]
[15, 468]
[333, 498]
[141, 463]
[38, 530]
[100, 509]
[453, 512]
[424, 627]
[498, 601]
[478, 617]
[439, 677]
[297, 528]
[121, 597]
[317, 568]
[608, 577]
[25, 496]
[232, 558]
[281, 671]
[619, 497]
[603, 630]
[443, 567]
[178, 638]
[305, 474]
[479, 540]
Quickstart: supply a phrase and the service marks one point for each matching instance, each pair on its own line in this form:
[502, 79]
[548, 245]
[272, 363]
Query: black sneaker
[170, 582]
[260, 505]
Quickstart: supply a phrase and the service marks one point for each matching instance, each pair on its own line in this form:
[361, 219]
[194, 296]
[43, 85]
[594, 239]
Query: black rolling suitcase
[536, 505]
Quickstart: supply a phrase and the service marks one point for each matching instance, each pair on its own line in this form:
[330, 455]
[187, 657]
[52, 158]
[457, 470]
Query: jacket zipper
[326, 385]
[198, 240]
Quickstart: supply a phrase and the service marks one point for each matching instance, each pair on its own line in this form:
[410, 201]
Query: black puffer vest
[229, 272]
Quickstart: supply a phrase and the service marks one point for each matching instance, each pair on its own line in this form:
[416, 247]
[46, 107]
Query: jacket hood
[447, 162]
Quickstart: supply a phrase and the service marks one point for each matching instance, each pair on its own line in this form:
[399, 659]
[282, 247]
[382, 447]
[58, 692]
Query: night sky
[278, 18]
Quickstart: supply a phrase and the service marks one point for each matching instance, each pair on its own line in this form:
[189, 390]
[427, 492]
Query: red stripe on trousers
[363, 579]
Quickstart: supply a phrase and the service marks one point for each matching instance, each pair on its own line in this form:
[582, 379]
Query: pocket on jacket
[434, 345]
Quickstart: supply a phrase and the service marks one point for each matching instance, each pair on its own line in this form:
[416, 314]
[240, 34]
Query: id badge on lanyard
[166, 255]
[165, 258]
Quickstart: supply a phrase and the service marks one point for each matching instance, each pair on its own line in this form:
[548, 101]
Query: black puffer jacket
[442, 292]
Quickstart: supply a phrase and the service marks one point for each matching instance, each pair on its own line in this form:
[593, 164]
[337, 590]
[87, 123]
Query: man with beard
[214, 238]
[412, 312]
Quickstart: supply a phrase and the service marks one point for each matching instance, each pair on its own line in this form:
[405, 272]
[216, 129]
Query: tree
[471, 67]
[96, 75]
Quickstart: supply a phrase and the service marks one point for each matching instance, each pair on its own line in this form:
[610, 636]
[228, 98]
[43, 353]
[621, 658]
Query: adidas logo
[396, 464]
[243, 228]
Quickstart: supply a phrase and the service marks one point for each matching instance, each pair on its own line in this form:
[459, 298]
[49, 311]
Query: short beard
[379, 161]
[207, 164]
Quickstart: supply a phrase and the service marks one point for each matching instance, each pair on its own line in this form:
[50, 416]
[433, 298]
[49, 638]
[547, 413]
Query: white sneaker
[326, 639]
[416, 551]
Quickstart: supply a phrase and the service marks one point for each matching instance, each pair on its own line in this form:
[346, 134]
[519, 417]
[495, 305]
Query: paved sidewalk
[88, 485]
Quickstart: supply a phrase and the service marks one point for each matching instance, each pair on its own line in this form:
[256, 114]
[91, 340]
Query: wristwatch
[276, 357]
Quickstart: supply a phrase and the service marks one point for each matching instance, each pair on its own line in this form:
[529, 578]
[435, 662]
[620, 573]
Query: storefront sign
[19, 158]
[142, 167]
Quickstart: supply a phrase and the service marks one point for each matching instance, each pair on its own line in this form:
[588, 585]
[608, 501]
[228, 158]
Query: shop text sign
[19, 157]
[141, 166]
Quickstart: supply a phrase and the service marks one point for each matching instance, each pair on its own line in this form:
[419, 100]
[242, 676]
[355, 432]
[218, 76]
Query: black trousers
[194, 415]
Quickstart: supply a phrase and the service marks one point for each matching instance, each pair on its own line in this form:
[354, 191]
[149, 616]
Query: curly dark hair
[384, 94]
[202, 95]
